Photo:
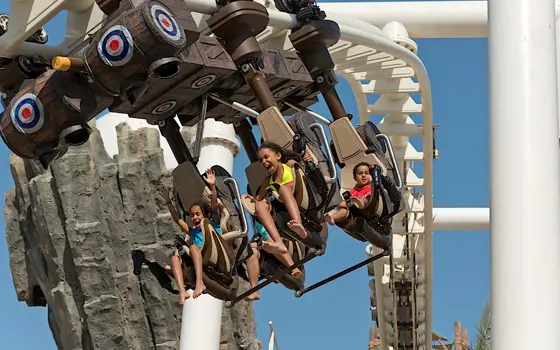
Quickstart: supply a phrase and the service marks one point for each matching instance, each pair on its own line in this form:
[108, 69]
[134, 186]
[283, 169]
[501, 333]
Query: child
[278, 163]
[197, 212]
[359, 193]
[253, 267]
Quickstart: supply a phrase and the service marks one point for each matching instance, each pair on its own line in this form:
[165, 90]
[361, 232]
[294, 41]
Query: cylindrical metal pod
[141, 42]
[48, 113]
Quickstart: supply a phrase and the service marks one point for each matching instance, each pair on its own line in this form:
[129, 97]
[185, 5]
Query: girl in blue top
[197, 212]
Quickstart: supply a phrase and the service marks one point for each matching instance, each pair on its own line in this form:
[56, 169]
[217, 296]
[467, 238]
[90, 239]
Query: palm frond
[483, 339]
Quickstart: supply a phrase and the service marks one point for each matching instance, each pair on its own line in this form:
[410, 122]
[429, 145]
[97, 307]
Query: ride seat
[350, 150]
[275, 128]
[305, 199]
[217, 250]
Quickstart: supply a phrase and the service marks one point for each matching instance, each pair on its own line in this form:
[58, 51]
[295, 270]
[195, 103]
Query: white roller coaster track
[383, 62]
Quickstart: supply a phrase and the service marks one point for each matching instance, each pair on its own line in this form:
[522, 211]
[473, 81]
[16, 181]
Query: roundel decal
[27, 114]
[166, 24]
[203, 81]
[284, 92]
[116, 46]
[164, 107]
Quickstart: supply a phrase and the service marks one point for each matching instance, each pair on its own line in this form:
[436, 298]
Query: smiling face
[197, 215]
[362, 175]
[269, 160]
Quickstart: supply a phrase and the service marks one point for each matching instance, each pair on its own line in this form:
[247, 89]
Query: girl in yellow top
[278, 163]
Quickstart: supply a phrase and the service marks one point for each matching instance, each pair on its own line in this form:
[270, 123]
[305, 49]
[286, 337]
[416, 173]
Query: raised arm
[211, 181]
[173, 211]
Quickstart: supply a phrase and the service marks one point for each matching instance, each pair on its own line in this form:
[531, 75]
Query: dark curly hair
[204, 207]
[286, 155]
[358, 166]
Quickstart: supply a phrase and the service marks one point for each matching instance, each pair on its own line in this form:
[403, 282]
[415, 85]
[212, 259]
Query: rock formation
[70, 232]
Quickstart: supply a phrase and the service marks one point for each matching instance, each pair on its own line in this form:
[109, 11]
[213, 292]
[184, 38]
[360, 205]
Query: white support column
[524, 175]
[557, 7]
[448, 219]
[202, 317]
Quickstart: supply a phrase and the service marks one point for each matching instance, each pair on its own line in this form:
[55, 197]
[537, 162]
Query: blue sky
[337, 315]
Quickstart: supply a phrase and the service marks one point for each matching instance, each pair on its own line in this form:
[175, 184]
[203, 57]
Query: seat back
[215, 250]
[255, 176]
[275, 128]
[191, 187]
[350, 150]
[301, 123]
[296, 249]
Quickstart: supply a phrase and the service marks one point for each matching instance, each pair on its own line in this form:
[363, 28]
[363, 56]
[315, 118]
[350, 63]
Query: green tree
[483, 339]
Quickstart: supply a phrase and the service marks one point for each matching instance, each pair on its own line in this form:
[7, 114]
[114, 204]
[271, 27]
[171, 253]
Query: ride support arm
[214, 198]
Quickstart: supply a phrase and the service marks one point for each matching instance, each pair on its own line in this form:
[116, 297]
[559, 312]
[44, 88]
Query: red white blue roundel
[164, 107]
[166, 24]
[116, 46]
[27, 114]
[203, 81]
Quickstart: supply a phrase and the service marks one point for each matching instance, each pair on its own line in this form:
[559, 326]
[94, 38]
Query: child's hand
[307, 157]
[210, 177]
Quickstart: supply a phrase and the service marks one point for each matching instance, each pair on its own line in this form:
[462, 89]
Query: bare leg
[341, 214]
[284, 258]
[263, 212]
[278, 248]
[253, 271]
[196, 255]
[293, 209]
[324, 236]
[177, 268]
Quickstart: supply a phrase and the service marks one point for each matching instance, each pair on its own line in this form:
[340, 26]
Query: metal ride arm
[313, 253]
[312, 41]
[244, 227]
[200, 129]
[169, 128]
[321, 283]
[244, 131]
[396, 172]
[330, 159]
[238, 23]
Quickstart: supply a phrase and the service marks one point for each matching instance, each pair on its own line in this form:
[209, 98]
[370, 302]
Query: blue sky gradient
[337, 315]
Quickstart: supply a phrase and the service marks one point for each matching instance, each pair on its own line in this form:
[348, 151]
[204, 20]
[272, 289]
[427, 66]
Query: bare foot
[297, 228]
[329, 219]
[254, 296]
[198, 290]
[274, 248]
[183, 295]
[296, 273]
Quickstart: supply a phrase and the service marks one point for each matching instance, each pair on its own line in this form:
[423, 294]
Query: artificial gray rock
[71, 230]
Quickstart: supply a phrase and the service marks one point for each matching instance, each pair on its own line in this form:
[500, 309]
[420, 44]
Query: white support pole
[202, 317]
[471, 219]
[557, 6]
[272, 339]
[524, 175]
[422, 19]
